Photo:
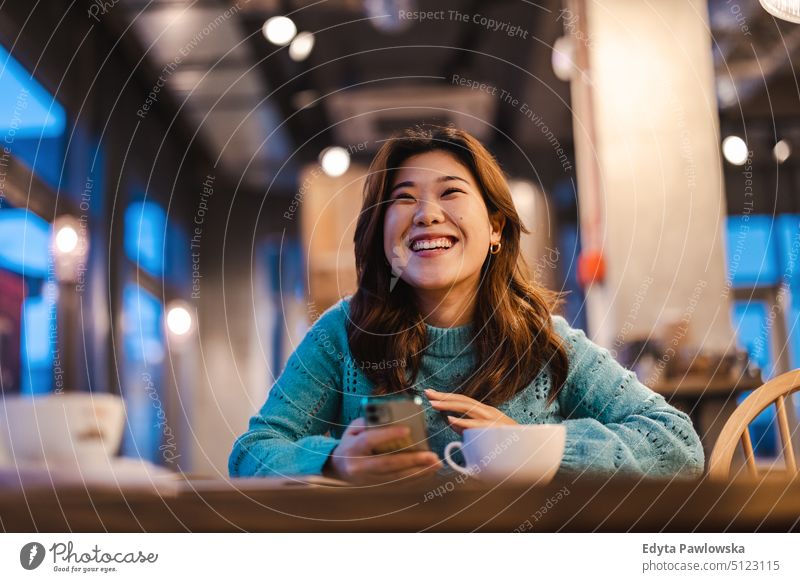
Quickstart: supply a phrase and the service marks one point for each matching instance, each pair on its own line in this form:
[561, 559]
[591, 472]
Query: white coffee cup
[60, 430]
[522, 452]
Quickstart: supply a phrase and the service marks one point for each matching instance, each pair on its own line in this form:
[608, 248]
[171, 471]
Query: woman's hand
[479, 415]
[353, 458]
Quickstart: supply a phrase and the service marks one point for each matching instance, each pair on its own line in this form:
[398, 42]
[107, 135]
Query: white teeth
[437, 243]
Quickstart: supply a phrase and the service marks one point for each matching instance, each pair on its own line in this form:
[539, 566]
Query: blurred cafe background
[180, 180]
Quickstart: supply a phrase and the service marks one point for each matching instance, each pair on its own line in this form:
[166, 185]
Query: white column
[649, 168]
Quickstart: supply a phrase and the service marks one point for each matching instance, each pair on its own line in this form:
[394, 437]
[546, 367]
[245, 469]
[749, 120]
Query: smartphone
[382, 411]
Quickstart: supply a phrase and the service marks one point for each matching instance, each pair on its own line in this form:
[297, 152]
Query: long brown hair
[513, 333]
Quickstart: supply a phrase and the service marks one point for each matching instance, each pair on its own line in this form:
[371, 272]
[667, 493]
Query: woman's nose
[428, 212]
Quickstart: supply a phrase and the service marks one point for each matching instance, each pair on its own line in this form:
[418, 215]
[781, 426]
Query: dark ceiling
[356, 65]
[268, 114]
[265, 114]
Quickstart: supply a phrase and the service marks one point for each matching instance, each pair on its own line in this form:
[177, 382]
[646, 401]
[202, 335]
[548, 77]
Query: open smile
[433, 247]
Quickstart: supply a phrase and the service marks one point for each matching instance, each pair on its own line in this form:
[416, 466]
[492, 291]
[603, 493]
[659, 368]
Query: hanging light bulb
[782, 151]
[301, 46]
[279, 30]
[179, 318]
[334, 161]
[735, 150]
[70, 244]
[385, 15]
[66, 239]
[563, 58]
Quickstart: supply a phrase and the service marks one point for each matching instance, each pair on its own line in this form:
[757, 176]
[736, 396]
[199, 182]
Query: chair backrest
[777, 391]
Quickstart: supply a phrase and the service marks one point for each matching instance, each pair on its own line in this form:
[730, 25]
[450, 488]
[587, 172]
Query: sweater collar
[449, 341]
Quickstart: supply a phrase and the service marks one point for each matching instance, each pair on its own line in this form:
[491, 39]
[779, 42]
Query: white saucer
[123, 472]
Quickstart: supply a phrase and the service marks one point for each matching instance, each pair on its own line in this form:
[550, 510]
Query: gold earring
[495, 249]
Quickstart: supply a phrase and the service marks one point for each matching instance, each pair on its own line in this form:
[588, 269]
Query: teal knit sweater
[614, 424]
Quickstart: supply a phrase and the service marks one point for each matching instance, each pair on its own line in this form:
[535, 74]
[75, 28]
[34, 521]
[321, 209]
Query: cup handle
[449, 449]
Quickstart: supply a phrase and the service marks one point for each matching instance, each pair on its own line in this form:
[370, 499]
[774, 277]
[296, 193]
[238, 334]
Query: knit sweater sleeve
[287, 436]
[616, 424]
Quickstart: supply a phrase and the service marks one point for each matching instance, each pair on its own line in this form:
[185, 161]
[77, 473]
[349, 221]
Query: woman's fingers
[474, 409]
[434, 394]
[354, 459]
[356, 427]
[463, 423]
[460, 403]
[368, 440]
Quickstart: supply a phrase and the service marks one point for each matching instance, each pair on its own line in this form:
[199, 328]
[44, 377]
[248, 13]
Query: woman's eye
[403, 197]
[451, 191]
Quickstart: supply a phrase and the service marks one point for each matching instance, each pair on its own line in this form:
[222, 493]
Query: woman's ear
[497, 221]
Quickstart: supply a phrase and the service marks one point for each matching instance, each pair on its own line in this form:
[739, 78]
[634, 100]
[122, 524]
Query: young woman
[445, 310]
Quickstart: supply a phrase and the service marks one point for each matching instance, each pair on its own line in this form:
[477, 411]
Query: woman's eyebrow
[409, 183]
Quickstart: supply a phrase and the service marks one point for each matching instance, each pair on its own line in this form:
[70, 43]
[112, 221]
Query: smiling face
[437, 228]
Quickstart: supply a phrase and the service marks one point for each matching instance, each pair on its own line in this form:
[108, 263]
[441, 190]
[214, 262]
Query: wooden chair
[777, 391]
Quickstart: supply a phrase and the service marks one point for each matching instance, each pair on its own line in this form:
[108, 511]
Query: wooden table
[577, 505]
